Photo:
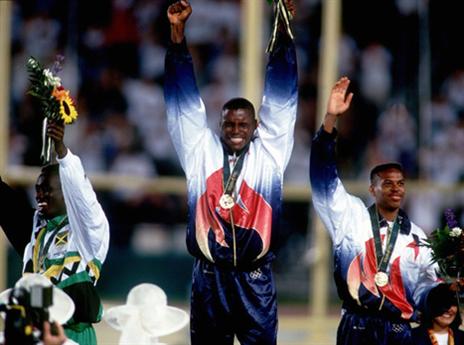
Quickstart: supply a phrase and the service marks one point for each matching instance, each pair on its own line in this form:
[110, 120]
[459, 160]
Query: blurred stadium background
[407, 73]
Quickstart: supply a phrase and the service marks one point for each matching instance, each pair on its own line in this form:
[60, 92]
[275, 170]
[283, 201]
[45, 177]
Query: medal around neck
[226, 201]
[381, 279]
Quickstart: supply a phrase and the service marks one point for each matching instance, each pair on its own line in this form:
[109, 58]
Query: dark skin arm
[178, 14]
[55, 130]
[338, 103]
[291, 7]
[458, 285]
[16, 215]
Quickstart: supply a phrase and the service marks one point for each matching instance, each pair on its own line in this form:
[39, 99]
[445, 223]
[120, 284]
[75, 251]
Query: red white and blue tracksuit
[233, 291]
[371, 314]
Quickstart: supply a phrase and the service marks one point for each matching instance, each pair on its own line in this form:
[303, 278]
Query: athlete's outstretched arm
[280, 97]
[185, 110]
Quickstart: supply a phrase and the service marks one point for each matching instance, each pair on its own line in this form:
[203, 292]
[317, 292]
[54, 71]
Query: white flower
[455, 232]
[51, 79]
[32, 62]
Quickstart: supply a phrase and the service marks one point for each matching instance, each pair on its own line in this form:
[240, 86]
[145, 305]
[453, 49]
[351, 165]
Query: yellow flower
[68, 111]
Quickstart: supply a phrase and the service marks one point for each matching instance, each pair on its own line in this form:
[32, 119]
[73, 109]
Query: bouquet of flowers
[55, 101]
[447, 246]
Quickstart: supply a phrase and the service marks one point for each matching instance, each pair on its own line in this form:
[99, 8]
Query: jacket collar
[403, 220]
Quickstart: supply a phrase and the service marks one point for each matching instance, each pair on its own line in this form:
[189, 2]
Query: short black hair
[50, 170]
[240, 103]
[385, 166]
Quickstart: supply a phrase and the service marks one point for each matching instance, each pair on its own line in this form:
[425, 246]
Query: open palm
[339, 102]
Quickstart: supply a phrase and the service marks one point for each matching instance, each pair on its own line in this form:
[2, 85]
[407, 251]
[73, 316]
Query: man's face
[237, 127]
[388, 189]
[49, 197]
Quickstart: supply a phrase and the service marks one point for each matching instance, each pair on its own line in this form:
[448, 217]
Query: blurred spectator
[121, 38]
[40, 36]
[397, 133]
[146, 111]
[453, 87]
[375, 72]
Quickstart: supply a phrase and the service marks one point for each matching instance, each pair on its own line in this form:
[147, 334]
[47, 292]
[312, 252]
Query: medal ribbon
[280, 13]
[382, 259]
[230, 179]
[230, 185]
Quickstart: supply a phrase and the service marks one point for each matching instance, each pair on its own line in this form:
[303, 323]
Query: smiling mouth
[447, 315]
[237, 140]
[41, 206]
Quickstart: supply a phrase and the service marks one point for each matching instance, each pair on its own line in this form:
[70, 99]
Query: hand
[53, 339]
[55, 130]
[457, 285]
[291, 7]
[338, 103]
[179, 12]
[291, 10]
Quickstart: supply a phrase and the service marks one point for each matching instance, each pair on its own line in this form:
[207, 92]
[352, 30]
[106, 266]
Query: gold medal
[381, 279]
[226, 201]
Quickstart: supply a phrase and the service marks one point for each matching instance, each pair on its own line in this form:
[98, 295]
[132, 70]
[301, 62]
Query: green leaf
[446, 251]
